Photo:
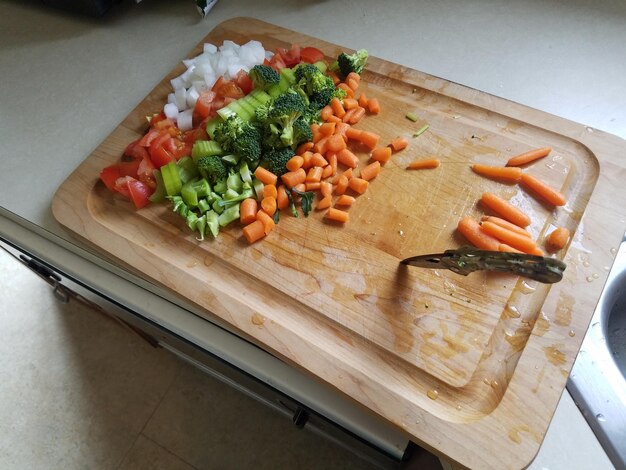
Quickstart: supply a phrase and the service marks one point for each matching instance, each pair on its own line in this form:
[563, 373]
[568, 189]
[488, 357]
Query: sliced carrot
[307, 160]
[381, 154]
[266, 220]
[314, 175]
[373, 106]
[349, 173]
[512, 174]
[337, 215]
[334, 119]
[369, 139]
[344, 200]
[399, 143]
[315, 130]
[358, 185]
[324, 203]
[300, 187]
[542, 189]
[282, 200]
[558, 239]
[349, 91]
[353, 84]
[338, 109]
[348, 116]
[268, 204]
[506, 224]
[363, 100]
[357, 115]
[247, 211]
[371, 171]
[508, 249]
[326, 112]
[505, 209]
[334, 76]
[350, 103]
[342, 185]
[342, 129]
[265, 176]
[328, 128]
[353, 76]
[292, 178]
[326, 189]
[353, 133]
[517, 241]
[254, 231]
[321, 145]
[428, 163]
[529, 156]
[295, 162]
[312, 185]
[318, 160]
[335, 143]
[537, 252]
[332, 162]
[304, 147]
[347, 158]
[470, 229]
[328, 172]
[269, 190]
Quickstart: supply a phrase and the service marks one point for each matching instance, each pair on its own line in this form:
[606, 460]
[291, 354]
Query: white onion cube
[171, 111]
[185, 120]
[181, 98]
[209, 48]
[192, 97]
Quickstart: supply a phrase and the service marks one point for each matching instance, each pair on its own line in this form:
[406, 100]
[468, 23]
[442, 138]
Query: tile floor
[80, 392]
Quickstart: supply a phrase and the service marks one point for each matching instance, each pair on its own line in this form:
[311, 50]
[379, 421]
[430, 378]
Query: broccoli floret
[263, 76]
[301, 131]
[318, 88]
[279, 118]
[275, 160]
[212, 168]
[239, 137]
[352, 63]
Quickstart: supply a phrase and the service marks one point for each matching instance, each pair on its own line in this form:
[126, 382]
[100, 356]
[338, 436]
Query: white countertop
[67, 81]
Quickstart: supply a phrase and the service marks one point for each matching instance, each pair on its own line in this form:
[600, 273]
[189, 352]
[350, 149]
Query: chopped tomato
[277, 62]
[147, 139]
[311, 55]
[163, 124]
[109, 175]
[145, 172]
[136, 150]
[121, 185]
[218, 84]
[291, 56]
[231, 90]
[204, 105]
[244, 82]
[129, 168]
[197, 133]
[161, 157]
[139, 192]
[157, 118]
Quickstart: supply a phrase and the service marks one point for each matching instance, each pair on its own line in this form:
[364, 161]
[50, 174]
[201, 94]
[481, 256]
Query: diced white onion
[170, 110]
[181, 98]
[210, 48]
[192, 97]
[185, 120]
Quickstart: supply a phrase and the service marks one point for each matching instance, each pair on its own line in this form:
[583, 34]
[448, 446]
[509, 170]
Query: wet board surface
[470, 367]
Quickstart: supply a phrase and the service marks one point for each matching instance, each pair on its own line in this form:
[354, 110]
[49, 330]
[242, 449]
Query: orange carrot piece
[427, 163]
[350, 103]
[324, 203]
[542, 189]
[348, 174]
[342, 185]
[338, 109]
[558, 239]
[371, 171]
[470, 229]
[353, 133]
[353, 84]
[295, 162]
[363, 100]
[328, 128]
[327, 172]
[247, 211]
[373, 106]
[318, 160]
[347, 158]
[335, 143]
[345, 200]
[353, 76]
[314, 175]
[517, 241]
[268, 204]
[399, 143]
[348, 116]
[292, 178]
[300, 187]
[334, 119]
[265, 176]
[369, 139]
[332, 162]
[266, 220]
[349, 91]
[326, 188]
[269, 190]
[358, 185]
[282, 200]
[506, 224]
[307, 158]
[317, 135]
[508, 249]
[304, 147]
[334, 76]
[342, 129]
[326, 112]
[505, 209]
[320, 145]
[381, 154]
[312, 185]
[254, 231]
[337, 215]
[537, 252]
[357, 115]
[529, 156]
[512, 174]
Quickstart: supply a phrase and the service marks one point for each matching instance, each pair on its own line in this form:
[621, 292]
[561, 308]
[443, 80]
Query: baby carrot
[515, 240]
[266, 220]
[247, 211]
[369, 139]
[347, 158]
[358, 185]
[342, 185]
[362, 100]
[546, 192]
[328, 128]
[312, 185]
[353, 133]
[381, 154]
[332, 161]
[350, 103]
[508, 249]
[265, 176]
[254, 231]
[558, 239]
[326, 112]
[338, 109]
[307, 158]
[344, 200]
[315, 130]
[357, 115]
[292, 178]
[528, 157]
[373, 106]
[320, 145]
[470, 229]
[324, 203]
[505, 223]
[294, 163]
[314, 175]
[268, 204]
[512, 174]
[428, 163]
[349, 91]
[399, 143]
[348, 116]
[505, 209]
[342, 129]
[269, 190]
[282, 200]
[335, 143]
[353, 76]
[370, 171]
[337, 215]
[353, 84]
[326, 188]
[333, 118]
[318, 160]
[304, 147]
[328, 172]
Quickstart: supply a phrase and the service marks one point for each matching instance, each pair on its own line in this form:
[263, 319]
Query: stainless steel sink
[598, 379]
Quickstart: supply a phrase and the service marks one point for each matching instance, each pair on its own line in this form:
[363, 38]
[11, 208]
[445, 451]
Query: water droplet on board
[595, 275]
[432, 394]
[589, 129]
[512, 311]
[401, 232]
[613, 251]
[458, 407]
[590, 278]
[486, 381]
[586, 264]
[600, 417]
[572, 333]
[495, 384]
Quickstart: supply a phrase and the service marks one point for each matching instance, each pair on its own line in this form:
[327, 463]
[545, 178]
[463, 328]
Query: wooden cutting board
[469, 367]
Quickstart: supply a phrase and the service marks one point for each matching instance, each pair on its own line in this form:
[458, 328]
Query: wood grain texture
[470, 367]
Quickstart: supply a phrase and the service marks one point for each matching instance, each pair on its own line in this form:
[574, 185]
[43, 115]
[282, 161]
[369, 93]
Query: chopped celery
[232, 159]
[258, 188]
[411, 117]
[192, 191]
[230, 194]
[171, 179]
[321, 65]
[213, 223]
[191, 219]
[203, 205]
[187, 169]
[211, 125]
[220, 187]
[244, 172]
[205, 148]
[421, 130]
[234, 182]
[201, 227]
[217, 207]
[229, 215]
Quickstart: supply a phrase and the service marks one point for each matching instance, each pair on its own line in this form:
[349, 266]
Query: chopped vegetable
[347, 63]
[528, 157]
[412, 117]
[558, 239]
[428, 163]
[470, 229]
[337, 215]
[247, 211]
[513, 239]
[511, 174]
[505, 209]
[505, 224]
[254, 231]
[421, 130]
[543, 190]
